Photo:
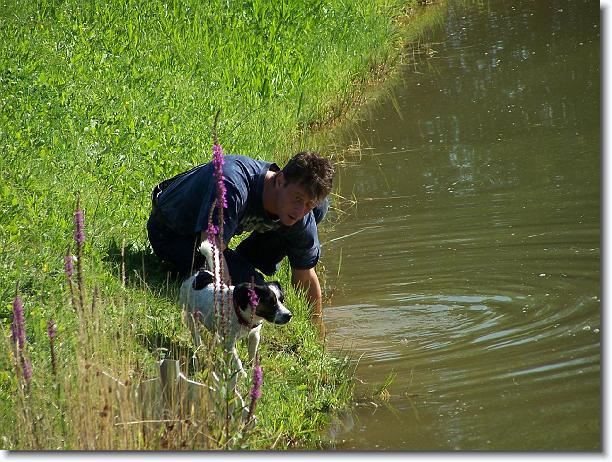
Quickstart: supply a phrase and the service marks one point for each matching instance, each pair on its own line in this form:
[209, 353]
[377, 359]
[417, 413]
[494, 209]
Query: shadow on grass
[141, 269]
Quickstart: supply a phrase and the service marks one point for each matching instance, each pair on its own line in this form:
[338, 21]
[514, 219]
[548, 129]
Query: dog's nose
[284, 318]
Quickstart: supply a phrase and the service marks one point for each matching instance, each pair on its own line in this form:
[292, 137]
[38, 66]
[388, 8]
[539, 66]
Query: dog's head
[271, 301]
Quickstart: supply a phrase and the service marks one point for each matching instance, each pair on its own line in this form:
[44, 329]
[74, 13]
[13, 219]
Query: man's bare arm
[309, 281]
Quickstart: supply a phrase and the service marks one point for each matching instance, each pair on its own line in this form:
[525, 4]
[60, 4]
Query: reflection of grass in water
[381, 391]
[379, 394]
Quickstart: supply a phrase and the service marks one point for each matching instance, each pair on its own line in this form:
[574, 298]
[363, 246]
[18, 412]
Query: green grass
[105, 99]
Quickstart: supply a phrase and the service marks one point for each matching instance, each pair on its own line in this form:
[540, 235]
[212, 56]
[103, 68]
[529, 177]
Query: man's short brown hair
[311, 171]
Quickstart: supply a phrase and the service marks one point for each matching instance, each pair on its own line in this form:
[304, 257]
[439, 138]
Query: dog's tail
[213, 260]
[206, 249]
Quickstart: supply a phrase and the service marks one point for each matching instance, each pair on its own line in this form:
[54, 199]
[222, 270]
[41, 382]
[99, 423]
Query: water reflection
[469, 265]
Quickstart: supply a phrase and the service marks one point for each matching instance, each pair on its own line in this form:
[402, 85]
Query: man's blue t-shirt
[186, 204]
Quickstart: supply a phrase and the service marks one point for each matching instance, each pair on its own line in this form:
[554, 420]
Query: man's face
[293, 202]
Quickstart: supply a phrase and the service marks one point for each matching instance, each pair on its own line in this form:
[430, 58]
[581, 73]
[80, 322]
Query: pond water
[465, 261]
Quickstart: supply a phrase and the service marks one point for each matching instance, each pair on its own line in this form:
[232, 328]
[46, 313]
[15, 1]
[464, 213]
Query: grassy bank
[105, 99]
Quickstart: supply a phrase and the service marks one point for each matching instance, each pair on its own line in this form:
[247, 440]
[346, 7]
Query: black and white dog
[197, 298]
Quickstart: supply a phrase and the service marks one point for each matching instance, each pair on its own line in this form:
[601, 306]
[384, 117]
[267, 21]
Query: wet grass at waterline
[105, 99]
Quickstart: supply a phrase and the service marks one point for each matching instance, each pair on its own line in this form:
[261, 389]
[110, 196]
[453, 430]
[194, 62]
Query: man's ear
[279, 179]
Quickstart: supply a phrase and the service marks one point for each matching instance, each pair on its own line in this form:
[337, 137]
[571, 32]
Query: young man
[281, 209]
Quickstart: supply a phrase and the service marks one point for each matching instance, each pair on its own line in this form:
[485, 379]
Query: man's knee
[179, 251]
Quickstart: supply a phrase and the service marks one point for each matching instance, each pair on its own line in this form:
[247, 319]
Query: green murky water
[468, 263]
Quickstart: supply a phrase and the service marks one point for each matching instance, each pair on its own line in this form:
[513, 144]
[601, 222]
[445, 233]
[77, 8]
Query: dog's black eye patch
[202, 279]
[280, 292]
[268, 303]
[267, 296]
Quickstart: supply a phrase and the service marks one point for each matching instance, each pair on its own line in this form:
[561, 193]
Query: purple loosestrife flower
[257, 381]
[18, 327]
[221, 203]
[253, 300]
[218, 162]
[68, 269]
[18, 333]
[51, 329]
[212, 231]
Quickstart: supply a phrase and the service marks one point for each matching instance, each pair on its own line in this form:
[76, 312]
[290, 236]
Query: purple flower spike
[218, 155]
[218, 162]
[14, 333]
[68, 269]
[79, 233]
[18, 327]
[51, 329]
[257, 381]
[212, 230]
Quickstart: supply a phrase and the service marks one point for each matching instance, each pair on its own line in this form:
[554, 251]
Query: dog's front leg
[254, 337]
[237, 369]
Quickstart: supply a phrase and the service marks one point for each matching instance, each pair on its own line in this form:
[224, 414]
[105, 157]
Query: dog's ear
[241, 295]
[280, 289]
[202, 279]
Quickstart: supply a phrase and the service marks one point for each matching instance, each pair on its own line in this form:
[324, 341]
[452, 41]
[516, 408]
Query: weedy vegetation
[101, 100]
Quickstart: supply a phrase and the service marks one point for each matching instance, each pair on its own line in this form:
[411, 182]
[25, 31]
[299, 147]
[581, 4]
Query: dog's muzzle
[282, 316]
